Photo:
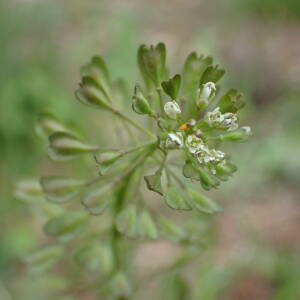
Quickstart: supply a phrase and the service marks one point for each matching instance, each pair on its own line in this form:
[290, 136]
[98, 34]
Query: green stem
[161, 103]
[134, 124]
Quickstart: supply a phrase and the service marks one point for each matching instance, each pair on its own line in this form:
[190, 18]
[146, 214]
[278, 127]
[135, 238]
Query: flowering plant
[185, 120]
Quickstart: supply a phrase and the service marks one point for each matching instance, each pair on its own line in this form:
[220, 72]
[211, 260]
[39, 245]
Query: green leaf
[47, 124]
[44, 258]
[175, 200]
[207, 179]
[66, 146]
[152, 62]
[60, 189]
[140, 104]
[231, 102]
[153, 182]
[66, 226]
[194, 68]
[96, 199]
[95, 256]
[127, 221]
[212, 74]
[172, 86]
[146, 226]
[29, 190]
[172, 231]
[203, 203]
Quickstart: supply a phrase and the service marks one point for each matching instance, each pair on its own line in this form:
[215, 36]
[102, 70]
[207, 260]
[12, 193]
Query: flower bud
[139, 102]
[172, 110]
[207, 92]
[238, 135]
[174, 140]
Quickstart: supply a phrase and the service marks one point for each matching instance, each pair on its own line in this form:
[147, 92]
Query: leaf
[96, 199]
[66, 226]
[60, 189]
[174, 199]
[95, 256]
[153, 182]
[127, 221]
[172, 86]
[47, 124]
[29, 190]
[231, 102]
[66, 146]
[212, 74]
[203, 203]
[140, 104]
[194, 68]
[146, 226]
[44, 258]
[152, 62]
[171, 231]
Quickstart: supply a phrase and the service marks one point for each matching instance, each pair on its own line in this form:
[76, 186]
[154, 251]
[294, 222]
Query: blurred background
[255, 240]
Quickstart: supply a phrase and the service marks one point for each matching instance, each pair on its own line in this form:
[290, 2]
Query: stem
[161, 103]
[134, 124]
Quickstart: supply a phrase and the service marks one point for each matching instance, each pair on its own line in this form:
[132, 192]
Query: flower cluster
[186, 121]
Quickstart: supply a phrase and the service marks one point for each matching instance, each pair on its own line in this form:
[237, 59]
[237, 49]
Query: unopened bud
[172, 110]
[174, 140]
[206, 93]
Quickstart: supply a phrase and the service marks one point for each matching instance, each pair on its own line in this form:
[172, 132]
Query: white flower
[201, 151]
[223, 121]
[207, 92]
[194, 144]
[172, 109]
[174, 140]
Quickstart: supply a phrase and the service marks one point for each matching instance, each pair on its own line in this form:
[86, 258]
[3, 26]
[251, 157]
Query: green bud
[190, 171]
[90, 93]
[202, 203]
[174, 199]
[140, 104]
[238, 135]
[44, 258]
[66, 146]
[47, 124]
[224, 170]
[59, 189]
[66, 226]
[172, 86]
[29, 190]
[207, 180]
